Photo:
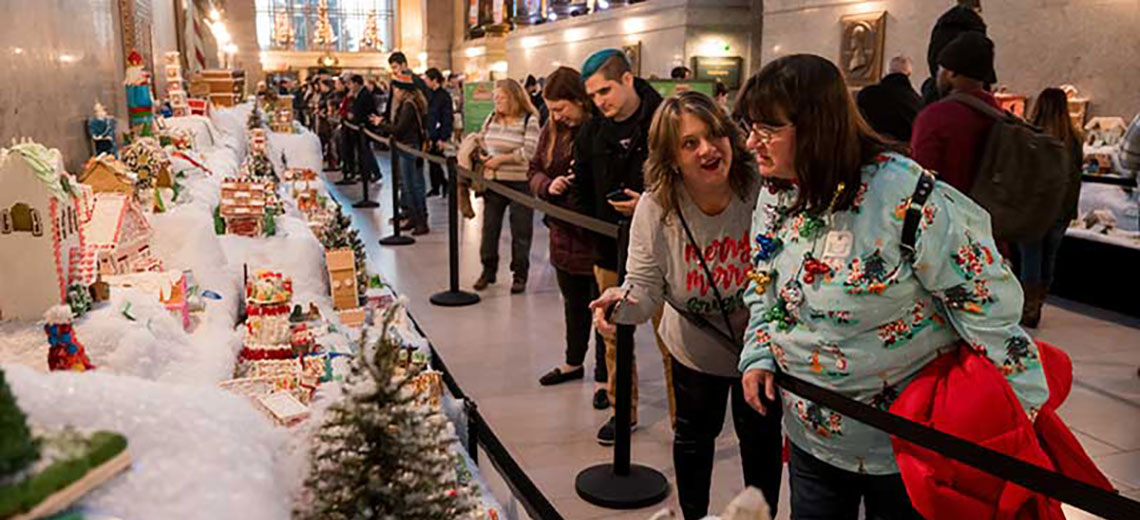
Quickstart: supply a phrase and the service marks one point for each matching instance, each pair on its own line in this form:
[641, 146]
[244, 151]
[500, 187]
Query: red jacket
[949, 139]
[962, 393]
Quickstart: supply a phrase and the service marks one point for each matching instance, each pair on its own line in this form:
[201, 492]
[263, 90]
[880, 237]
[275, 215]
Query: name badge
[838, 244]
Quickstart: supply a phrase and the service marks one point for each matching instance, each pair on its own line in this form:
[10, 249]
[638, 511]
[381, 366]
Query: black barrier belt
[522, 487]
[600, 227]
[1035, 478]
[1074, 492]
[1127, 182]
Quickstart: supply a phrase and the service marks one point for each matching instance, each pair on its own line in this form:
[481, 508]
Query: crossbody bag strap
[913, 216]
[712, 280]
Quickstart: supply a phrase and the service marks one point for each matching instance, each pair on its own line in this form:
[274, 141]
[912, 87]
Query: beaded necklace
[769, 246]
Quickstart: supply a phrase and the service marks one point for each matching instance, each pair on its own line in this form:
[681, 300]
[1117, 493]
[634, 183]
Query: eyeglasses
[765, 132]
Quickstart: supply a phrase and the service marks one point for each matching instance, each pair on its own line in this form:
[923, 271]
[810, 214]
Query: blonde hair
[415, 96]
[520, 101]
[663, 177]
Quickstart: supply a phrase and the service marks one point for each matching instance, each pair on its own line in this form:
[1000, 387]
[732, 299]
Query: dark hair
[451, 76]
[614, 67]
[662, 176]
[833, 141]
[1051, 113]
[530, 81]
[564, 84]
[970, 4]
[720, 89]
[357, 78]
[434, 74]
[397, 57]
[679, 72]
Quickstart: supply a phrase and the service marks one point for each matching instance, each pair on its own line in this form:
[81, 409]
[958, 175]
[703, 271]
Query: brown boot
[1031, 309]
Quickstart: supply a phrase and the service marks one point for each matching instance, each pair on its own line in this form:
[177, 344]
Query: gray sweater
[662, 268]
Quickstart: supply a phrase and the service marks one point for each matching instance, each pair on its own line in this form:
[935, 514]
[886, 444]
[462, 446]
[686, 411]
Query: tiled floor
[498, 348]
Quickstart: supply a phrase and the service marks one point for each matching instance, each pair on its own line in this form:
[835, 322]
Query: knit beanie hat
[971, 54]
[403, 81]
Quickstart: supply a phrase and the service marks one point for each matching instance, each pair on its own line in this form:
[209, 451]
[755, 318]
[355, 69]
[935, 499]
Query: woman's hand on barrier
[376, 120]
[559, 185]
[601, 308]
[626, 207]
[495, 161]
[756, 381]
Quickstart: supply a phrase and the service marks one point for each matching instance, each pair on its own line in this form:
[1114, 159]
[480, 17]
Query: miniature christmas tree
[383, 453]
[79, 299]
[339, 234]
[254, 120]
[17, 447]
[323, 32]
[370, 41]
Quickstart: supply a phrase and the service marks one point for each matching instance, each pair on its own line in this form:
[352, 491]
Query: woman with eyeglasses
[688, 251]
[839, 298]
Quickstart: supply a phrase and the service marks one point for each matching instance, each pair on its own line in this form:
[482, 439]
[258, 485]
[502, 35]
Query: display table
[198, 450]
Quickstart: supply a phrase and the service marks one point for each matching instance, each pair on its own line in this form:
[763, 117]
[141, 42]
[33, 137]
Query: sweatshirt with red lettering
[664, 268]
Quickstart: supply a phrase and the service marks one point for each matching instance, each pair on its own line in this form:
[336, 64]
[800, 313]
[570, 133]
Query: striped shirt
[511, 139]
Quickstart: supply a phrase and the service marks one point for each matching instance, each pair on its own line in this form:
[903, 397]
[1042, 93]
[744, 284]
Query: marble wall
[671, 32]
[57, 57]
[1092, 44]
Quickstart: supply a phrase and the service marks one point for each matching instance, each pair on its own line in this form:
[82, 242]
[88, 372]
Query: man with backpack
[1004, 164]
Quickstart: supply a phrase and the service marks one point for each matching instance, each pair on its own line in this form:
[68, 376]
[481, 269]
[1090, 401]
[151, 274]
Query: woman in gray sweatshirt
[689, 250]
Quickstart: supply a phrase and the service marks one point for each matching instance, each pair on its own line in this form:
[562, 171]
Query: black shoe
[601, 399]
[518, 285]
[433, 192]
[420, 230]
[484, 280]
[407, 225]
[556, 375]
[608, 433]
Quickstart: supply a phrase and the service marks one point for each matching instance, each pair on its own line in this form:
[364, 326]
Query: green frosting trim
[46, 163]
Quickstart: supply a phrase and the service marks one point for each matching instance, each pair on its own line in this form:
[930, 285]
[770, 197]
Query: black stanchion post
[363, 147]
[622, 485]
[396, 238]
[453, 297]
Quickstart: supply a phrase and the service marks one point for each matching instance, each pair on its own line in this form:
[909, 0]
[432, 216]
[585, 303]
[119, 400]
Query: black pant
[700, 416]
[522, 230]
[578, 290]
[821, 491]
[366, 157]
[435, 171]
[348, 147]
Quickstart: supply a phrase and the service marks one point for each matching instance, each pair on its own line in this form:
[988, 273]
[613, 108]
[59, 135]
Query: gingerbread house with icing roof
[40, 221]
[106, 174]
[117, 241]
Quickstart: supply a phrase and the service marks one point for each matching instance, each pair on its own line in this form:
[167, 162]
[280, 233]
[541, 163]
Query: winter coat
[945, 395]
[602, 164]
[440, 119]
[950, 137]
[571, 247]
[407, 128]
[363, 105]
[891, 106]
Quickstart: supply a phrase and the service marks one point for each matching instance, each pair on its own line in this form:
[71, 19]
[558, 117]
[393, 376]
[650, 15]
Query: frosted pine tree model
[382, 453]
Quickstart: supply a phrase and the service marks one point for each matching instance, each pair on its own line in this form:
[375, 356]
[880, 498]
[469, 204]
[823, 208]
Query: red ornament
[813, 268]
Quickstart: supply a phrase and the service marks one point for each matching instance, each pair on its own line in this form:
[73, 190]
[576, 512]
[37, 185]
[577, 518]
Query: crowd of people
[805, 230]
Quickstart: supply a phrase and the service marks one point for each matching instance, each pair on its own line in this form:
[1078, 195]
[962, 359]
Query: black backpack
[1022, 177]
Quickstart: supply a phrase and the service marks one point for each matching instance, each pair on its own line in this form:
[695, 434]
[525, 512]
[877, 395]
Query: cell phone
[618, 195]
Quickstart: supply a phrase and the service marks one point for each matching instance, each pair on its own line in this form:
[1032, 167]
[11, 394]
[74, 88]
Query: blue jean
[1039, 259]
[413, 193]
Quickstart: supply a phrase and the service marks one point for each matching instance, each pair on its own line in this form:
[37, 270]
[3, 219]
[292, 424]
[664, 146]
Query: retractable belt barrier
[1089, 498]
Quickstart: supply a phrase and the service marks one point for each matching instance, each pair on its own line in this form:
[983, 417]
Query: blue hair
[595, 62]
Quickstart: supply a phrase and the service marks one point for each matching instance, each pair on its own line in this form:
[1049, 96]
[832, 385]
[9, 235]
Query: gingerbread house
[243, 206]
[106, 174]
[283, 116]
[342, 278]
[40, 221]
[146, 158]
[117, 241]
